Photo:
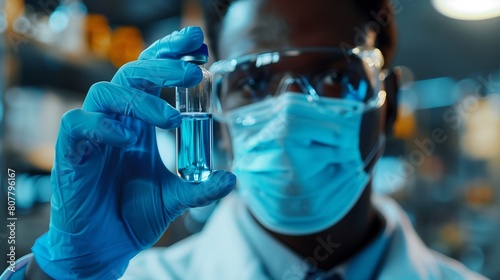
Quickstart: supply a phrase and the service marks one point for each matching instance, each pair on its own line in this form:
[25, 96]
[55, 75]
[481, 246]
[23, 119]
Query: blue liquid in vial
[194, 147]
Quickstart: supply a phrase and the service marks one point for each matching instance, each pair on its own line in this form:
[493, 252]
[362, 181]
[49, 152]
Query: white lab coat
[222, 251]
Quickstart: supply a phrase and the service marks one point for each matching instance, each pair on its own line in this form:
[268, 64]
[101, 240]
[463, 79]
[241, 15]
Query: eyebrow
[263, 35]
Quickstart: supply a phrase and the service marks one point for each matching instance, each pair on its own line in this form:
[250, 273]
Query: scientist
[304, 99]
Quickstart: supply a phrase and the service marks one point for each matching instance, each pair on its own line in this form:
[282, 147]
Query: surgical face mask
[297, 160]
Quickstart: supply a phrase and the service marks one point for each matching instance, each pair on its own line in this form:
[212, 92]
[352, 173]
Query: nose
[294, 87]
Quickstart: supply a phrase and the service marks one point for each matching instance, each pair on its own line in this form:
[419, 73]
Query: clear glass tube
[195, 134]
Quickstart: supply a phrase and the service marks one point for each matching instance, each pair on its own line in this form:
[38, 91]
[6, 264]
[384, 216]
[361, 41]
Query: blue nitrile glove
[112, 195]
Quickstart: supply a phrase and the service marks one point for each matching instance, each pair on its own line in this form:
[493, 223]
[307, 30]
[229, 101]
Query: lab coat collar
[230, 247]
[239, 249]
[224, 242]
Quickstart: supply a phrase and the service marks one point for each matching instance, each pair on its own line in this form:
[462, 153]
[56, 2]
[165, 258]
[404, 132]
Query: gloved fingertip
[187, 40]
[224, 184]
[192, 31]
[195, 35]
[192, 75]
[224, 178]
[173, 119]
[176, 120]
[229, 179]
[130, 137]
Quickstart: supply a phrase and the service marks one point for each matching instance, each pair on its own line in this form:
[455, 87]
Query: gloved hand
[112, 195]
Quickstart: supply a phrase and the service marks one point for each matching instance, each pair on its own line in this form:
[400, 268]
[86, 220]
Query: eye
[332, 78]
[249, 88]
[340, 84]
[247, 84]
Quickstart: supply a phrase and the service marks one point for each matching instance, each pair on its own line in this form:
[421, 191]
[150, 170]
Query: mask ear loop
[391, 84]
[376, 152]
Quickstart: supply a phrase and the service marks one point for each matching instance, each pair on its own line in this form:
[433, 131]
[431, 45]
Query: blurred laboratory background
[442, 163]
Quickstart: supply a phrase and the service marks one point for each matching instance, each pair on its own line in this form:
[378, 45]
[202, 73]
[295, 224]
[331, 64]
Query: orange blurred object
[478, 194]
[406, 124]
[13, 10]
[98, 34]
[450, 233]
[432, 170]
[42, 157]
[126, 45]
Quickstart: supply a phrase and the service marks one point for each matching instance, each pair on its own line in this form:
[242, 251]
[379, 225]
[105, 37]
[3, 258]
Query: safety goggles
[353, 74]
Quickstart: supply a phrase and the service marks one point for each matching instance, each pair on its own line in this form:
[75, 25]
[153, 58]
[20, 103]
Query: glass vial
[195, 134]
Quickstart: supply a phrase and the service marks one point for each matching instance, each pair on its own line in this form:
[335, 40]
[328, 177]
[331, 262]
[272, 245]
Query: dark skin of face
[265, 25]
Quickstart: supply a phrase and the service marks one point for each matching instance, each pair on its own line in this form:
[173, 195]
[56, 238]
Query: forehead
[262, 25]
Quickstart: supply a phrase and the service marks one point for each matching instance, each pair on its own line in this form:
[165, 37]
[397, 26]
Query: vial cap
[199, 56]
